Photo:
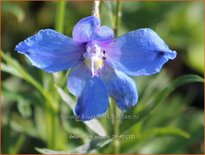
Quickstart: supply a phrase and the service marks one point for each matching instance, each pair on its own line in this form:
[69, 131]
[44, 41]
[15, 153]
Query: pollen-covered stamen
[93, 58]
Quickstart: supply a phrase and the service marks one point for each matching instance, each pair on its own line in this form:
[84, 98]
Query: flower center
[93, 58]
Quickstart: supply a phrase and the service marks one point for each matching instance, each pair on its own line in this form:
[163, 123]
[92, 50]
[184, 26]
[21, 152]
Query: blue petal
[121, 88]
[84, 29]
[77, 79]
[104, 34]
[50, 51]
[89, 29]
[93, 100]
[140, 52]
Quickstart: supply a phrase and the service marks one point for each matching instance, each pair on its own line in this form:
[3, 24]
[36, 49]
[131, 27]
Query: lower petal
[121, 88]
[77, 79]
[93, 100]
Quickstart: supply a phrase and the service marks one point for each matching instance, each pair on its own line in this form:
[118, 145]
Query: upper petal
[121, 88]
[104, 34]
[89, 29]
[77, 79]
[93, 100]
[84, 29]
[50, 50]
[140, 52]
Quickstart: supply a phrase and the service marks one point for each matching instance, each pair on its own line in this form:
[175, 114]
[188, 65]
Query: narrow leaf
[14, 10]
[65, 97]
[10, 70]
[159, 98]
[171, 131]
[96, 126]
[19, 70]
[91, 146]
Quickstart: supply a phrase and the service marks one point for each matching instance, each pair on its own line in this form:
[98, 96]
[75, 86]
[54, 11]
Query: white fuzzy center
[93, 58]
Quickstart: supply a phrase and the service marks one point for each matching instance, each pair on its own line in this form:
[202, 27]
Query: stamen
[93, 58]
[92, 67]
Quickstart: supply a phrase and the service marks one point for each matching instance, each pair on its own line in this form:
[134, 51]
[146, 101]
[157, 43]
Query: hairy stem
[95, 10]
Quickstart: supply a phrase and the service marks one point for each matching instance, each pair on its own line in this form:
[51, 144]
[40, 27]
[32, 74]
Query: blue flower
[100, 63]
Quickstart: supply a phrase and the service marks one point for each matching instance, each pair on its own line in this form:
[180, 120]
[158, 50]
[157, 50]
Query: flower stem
[60, 16]
[95, 10]
[51, 115]
[117, 17]
[59, 26]
[116, 141]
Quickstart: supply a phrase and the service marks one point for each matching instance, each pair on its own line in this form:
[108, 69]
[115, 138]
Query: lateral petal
[50, 51]
[140, 52]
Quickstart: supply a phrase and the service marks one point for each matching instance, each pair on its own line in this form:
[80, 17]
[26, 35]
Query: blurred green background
[35, 105]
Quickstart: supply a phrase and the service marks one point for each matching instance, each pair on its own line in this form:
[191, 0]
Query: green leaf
[164, 131]
[65, 97]
[18, 144]
[151, 134]
[19, 71]
[23, 125]
[91, 146]
[12, 63]
[48, 151]
[195, 57]
[24, 107]
[6, 134]
[96, 126]
[10, 70]
[14, 10]
[159, 98]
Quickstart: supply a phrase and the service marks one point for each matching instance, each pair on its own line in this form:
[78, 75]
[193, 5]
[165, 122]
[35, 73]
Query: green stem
[116, 142]
[110, 119]
[60, 16]
[117, 17]
[59, 26]
[51, 120]
[50, 113]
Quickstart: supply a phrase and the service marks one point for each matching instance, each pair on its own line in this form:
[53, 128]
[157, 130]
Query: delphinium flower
[100, 63]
